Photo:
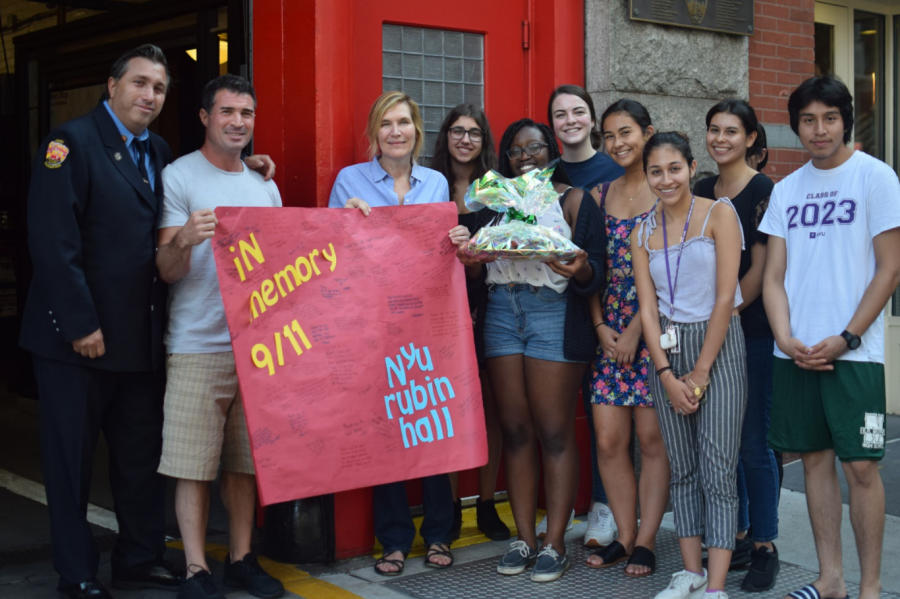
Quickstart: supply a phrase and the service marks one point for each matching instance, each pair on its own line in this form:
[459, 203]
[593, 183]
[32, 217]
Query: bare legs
[192, 510]
[535, 402]
[487, 474]
[823, 498]
[613, 428]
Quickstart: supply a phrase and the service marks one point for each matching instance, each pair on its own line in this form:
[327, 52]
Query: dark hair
[232, 83]
[504, 168]
[581, 93]
[830, 92]
[759, 146]
[675, 139]
[148, 51]
[633, 108]
[442, 161]
[744, 112]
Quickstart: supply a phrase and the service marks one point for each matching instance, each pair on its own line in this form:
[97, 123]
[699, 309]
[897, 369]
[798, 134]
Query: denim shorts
[524, 319]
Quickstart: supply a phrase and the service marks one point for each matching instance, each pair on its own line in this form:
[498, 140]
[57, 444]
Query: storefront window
[868, 82]
[438, 69]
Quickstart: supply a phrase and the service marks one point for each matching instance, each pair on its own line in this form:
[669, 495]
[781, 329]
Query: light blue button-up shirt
[370, 182]
[132, 148]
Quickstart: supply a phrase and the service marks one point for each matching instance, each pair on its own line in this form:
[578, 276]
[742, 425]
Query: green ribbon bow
[516, 214]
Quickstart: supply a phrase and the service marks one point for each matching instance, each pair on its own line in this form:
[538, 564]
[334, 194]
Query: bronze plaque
[723, 16]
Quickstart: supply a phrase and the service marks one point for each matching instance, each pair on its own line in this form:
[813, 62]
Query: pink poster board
[353, 344]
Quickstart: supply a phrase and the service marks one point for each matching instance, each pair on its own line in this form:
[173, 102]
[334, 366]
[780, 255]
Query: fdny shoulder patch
[56, 154]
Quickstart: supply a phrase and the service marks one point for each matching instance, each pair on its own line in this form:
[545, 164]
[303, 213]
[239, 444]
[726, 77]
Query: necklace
[644, 180]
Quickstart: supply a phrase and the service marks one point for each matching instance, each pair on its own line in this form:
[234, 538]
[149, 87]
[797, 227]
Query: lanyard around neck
[677, 262]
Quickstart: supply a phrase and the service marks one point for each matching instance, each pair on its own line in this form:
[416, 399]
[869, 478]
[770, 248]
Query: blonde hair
[382, 105]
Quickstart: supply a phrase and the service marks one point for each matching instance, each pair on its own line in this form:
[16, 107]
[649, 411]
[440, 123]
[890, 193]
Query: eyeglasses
[475, 134]
[531, 149]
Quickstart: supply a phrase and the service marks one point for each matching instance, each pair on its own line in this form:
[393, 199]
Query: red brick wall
[781, 56]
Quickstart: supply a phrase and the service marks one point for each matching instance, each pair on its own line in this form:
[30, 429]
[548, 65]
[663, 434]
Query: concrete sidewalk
[473, 575]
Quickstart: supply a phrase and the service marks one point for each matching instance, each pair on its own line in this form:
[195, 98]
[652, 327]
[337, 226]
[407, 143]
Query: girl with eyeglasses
[538, 339]
[464, 151]
[571, 114]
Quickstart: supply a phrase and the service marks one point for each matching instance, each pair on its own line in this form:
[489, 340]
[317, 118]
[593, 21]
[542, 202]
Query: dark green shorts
[841, 409]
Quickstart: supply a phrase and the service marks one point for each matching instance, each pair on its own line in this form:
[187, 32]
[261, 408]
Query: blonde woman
[393, 178]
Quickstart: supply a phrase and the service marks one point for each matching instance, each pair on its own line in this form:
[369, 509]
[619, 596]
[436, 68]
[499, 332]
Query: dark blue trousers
[394, 527]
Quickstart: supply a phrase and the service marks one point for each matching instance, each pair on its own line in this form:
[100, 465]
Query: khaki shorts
[204, 418]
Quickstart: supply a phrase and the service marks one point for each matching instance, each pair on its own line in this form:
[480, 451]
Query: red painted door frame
[317, 68]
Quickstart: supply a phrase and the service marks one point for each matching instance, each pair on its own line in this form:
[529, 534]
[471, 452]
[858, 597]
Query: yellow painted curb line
[294, 579]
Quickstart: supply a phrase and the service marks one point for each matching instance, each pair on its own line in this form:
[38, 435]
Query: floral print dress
[612, 384]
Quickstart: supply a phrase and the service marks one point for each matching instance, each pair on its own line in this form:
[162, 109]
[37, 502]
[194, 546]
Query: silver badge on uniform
[117, 156]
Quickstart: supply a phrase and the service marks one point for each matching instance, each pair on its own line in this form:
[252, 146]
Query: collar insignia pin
[117, 156]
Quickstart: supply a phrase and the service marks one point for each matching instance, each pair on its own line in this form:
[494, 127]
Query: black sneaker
[740, 557]
[489, 521]
[456, 529]
[248, 574]
[764, 567]
[199, 586]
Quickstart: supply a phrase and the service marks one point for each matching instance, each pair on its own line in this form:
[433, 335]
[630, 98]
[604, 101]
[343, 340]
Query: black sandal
[641, 556]
[397, 563]
[611, 555]
[438, 549]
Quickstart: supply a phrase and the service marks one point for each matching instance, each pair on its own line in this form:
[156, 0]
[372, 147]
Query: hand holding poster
[353, 345]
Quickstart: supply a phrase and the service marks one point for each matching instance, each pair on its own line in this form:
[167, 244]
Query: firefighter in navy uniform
[94, 321]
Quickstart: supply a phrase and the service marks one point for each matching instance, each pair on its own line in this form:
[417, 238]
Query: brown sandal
[397, 563]
[438, 549]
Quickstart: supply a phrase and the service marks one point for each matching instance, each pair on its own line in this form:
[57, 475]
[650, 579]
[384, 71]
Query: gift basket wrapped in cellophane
[522, 200]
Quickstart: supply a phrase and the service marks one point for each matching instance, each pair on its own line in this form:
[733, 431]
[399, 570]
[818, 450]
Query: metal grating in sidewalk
[479, 580]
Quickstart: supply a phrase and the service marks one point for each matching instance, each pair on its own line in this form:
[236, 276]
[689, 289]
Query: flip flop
[641, 556]
[398, 563]
[809, 592]
[438, 549]
[611, 555]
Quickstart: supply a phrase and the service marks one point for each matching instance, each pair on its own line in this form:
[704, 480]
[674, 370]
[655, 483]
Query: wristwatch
[853, 341]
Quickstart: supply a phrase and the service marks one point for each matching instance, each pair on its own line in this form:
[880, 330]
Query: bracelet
[699, 390]
[599, 325]
[662, 370]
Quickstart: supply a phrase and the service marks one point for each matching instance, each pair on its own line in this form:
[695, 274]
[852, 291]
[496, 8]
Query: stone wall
[677, 73]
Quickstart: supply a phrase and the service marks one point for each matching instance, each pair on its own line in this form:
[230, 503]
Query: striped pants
[703, 447]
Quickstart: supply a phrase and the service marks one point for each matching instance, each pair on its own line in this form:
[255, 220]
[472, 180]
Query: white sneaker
[687, 585]
[542, 526]
[716, 595]
[601, 529]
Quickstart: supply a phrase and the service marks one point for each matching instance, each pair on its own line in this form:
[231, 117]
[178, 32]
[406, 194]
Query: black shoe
[489, 521]
[764, 567]
[740, 557]
[248, 574]
[158, 574]
[456, 529]
[91, 589]
[199, 586]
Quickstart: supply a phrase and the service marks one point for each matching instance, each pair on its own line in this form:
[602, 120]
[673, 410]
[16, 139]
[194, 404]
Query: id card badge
[669, 340]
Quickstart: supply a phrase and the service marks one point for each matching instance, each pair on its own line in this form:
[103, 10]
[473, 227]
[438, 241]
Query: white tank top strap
[646, 228]
[728, 203]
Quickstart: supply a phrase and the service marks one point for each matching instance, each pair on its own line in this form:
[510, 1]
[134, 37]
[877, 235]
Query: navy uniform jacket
[92, 237]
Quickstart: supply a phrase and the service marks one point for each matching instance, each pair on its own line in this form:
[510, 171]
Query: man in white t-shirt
[833, 262]
[204, 418]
